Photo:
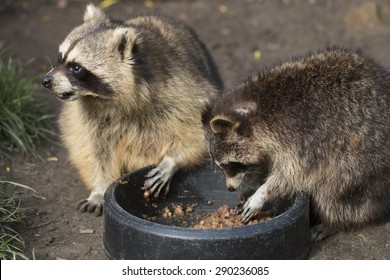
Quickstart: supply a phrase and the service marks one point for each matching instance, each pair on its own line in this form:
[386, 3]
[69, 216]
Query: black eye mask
[233, 168]
[83, 78]
[77, 70]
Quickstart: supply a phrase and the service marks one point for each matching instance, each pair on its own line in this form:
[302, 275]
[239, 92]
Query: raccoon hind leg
[320, 232]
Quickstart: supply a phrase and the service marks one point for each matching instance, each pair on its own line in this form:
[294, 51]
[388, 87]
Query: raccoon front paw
[252, 206]
[157, 182]
[320, 232]
[160, 177]
[92, 205]
[243, 198]
[249, 210]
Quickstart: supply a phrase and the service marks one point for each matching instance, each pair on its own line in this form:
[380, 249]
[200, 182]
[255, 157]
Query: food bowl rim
[278, 222]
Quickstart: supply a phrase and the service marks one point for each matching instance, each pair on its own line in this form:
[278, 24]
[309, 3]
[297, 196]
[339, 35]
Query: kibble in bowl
[135, 228]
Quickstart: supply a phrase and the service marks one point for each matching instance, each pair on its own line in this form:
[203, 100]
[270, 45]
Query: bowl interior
[202, 188]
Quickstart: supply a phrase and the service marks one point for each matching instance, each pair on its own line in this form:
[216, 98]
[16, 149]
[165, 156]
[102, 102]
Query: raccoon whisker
[245, 185]
[240, 188]
[252, 172]
[51, 64]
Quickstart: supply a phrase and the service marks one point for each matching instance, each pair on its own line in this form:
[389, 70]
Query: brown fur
[321, 123]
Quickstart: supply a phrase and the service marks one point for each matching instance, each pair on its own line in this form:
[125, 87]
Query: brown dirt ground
[241, 35]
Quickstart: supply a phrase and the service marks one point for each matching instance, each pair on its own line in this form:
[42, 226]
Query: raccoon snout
[233, 183]
[47, 81]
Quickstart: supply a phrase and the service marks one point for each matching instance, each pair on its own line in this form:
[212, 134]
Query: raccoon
[320, 124]
[134, 93]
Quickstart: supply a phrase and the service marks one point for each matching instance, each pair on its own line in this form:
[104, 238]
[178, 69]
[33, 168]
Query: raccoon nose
[231, 189]
[47, 81]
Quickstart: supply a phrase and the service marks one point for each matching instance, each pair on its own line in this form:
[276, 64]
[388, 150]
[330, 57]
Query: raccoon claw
[86, 205]
[160, 177]
[237, 210]
[248, 212]
[251, 207]
[247, 215]
[156, 184]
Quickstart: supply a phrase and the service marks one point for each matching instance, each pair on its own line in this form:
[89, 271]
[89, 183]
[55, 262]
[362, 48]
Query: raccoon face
[230, 141]
[94, 59]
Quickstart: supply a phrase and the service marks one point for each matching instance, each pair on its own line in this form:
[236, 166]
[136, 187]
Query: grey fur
[321, 124]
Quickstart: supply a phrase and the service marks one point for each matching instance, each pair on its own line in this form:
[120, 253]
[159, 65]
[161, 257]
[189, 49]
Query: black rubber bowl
[128, 236]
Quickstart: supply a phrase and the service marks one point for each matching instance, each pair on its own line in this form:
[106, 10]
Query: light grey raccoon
[134, 93]
[321, 125]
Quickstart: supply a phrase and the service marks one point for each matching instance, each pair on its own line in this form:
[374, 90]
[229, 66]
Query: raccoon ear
[222, 124]
[94, 13]
[124, 39]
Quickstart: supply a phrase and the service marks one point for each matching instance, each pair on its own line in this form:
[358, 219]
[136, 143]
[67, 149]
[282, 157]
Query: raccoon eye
[76, 69]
